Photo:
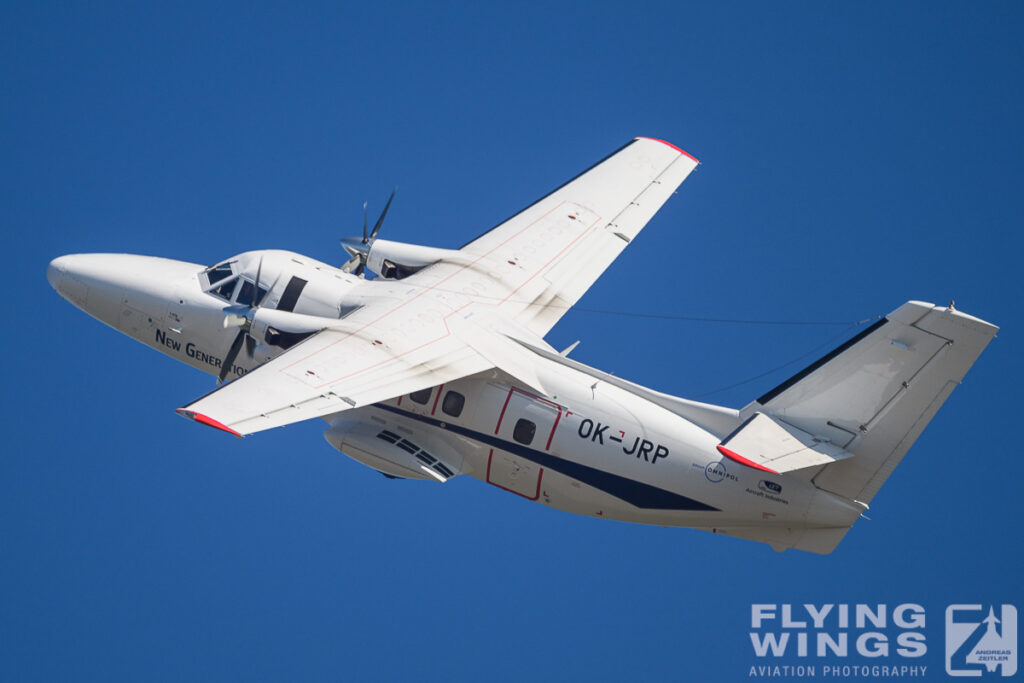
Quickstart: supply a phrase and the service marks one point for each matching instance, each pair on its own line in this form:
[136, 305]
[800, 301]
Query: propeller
[244, 322]
[359, 251]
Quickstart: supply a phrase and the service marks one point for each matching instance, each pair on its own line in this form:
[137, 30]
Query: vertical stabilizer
[874, 395]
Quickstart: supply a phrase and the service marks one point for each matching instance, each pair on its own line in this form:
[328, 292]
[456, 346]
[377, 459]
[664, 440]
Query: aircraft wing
[381, 351]
[341, 367]
[454, 318]
[539, 263]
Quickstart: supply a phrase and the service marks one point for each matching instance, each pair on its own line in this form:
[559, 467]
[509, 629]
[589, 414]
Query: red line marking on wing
[444, 320]
[428, 289]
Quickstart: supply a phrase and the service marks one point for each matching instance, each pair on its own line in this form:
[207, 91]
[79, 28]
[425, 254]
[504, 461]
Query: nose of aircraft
[76, 275]
[55, 271]
[100, 284]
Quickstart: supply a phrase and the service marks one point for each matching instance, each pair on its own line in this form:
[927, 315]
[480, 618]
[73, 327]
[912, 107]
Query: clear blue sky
[852, 158]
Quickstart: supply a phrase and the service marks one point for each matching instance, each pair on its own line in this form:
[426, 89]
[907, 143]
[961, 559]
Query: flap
[501, 352]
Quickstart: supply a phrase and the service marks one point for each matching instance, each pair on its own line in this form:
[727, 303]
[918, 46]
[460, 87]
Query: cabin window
[421, 396]
[245, 294]
[225, 290]
[217, 273]
[524, 431]
[453, 403]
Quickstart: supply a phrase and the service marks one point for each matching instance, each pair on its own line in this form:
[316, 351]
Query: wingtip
[681, 151]
[208, 421]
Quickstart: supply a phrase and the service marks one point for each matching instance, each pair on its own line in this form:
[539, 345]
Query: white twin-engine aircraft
[438, 367]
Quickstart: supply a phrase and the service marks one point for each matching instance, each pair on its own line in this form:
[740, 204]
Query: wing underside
[453, 319]
[549, 254]
[333, 371]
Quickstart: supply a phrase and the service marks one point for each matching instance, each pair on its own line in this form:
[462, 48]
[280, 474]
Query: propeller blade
[366, 237]
[358, 272]
[259, 302]
[351, 264]
[380, 221]
[229, 360]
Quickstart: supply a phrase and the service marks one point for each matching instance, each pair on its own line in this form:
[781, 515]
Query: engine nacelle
[396, 260]
[285, 329]
[271, 328]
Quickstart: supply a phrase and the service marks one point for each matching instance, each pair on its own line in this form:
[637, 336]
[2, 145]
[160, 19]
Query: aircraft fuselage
[439, 367]
[586, 447]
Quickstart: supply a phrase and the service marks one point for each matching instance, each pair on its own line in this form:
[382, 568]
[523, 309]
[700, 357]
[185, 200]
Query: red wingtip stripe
[681, 151]
[208, 421]
[732, 455]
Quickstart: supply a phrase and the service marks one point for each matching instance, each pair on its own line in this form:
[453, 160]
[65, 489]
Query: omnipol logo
[981, 640]
[715, 472]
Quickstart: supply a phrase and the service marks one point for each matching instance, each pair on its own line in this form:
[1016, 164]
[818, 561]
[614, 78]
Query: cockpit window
[225, 290]
[217, 273]
[245, 294]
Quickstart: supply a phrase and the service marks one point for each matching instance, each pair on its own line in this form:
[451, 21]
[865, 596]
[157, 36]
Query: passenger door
[527, 422]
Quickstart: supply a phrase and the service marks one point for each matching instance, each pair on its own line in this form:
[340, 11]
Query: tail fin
[873, 396]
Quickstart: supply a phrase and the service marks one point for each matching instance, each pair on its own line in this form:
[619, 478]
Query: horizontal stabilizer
[779, 447]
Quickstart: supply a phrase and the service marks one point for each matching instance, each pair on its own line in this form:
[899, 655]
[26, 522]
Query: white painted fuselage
[439, 367]
[592, 448]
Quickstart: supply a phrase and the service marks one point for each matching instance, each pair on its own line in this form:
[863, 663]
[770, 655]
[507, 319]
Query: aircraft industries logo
[792, 641]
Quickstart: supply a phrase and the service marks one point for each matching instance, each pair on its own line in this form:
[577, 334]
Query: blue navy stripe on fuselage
[634, 492]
